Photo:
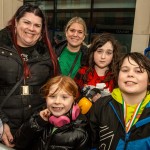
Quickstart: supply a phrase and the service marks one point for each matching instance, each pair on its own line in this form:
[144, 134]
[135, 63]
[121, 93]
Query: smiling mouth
[130, 83]
[57, 108]
[29, 35]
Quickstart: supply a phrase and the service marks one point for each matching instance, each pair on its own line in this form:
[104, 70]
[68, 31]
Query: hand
[96, 97]
[45, 114]
[7, 137]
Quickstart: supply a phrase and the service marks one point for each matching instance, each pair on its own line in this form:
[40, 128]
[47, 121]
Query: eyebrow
[31, 22]
[106, 49]
[128, 66]
[76, 29]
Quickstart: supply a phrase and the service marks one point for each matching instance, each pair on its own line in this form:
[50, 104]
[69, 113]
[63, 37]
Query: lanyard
[130, 123]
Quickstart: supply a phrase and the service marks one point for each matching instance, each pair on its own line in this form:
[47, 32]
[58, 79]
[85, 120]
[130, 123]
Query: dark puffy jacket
[108, 129]
[38, 134]
[18, 108]
[59, 48]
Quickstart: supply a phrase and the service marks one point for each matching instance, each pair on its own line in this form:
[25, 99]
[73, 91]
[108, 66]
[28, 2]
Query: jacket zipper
[50, 137]
[126, 134]
[126, 140]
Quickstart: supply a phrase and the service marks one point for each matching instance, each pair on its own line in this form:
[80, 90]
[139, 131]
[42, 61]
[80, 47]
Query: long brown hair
[97, 42]
[38, 12]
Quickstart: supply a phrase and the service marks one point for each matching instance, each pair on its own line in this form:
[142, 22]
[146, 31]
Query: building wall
[141, 30]
[7, 9]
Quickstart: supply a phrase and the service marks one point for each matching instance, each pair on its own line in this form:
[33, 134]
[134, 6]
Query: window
[114, 16]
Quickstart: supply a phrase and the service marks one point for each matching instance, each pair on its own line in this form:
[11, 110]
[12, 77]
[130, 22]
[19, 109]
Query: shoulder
[102, 102]
[82, 118]
[84, 48]
[100, 109]
[83, 70]
[64, 42]
[105, 100]
[84, 55]
[80, 126]
[5, 37]
[80, 122]
[59, 47]
[41, 47]
[4, 31]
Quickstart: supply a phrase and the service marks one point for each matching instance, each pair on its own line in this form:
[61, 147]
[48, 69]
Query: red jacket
[92, 80]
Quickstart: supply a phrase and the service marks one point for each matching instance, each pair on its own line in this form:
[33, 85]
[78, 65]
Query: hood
[116, 94]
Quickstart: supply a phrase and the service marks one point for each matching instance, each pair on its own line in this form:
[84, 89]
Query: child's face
[60, 102]
[103, 55]
[131, 79]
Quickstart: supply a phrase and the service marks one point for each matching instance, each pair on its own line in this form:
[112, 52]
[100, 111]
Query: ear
[66, 33]
[84, 38]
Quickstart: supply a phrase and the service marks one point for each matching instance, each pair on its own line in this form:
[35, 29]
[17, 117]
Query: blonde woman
[72, 52]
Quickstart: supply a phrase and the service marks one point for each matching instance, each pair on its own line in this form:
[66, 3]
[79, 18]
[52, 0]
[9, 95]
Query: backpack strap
[11, 92]
[73, 65]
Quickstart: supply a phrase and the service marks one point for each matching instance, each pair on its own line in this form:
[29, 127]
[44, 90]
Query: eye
[38, 25]
[51, 96]
[124, 70]
[64, 97]
[109, 52]
[99, 51]
[80, 32]
[26, 22]
[72, 30]
[139, 70]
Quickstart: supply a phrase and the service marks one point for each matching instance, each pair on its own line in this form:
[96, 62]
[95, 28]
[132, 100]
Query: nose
[130, 73]
[75, 33]
[31, 27]
[103, 55]
[57, 100]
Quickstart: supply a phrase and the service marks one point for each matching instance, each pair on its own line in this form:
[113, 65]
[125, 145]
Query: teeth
[29, 35]
[130, 83]
[57, 108]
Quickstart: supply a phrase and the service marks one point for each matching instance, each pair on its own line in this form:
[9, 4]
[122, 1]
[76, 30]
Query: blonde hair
[63, 83]
[76, 20]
